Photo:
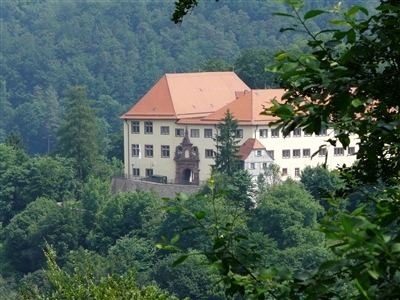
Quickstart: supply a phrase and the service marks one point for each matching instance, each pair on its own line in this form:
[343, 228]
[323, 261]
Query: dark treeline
[119, 50]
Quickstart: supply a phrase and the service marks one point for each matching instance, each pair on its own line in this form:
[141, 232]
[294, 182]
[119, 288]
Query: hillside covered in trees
[120, 49]
[52, 57]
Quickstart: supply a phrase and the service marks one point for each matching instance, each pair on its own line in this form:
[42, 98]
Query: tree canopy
[79, 134]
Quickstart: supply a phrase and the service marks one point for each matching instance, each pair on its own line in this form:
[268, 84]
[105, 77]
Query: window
[351, 151]
[148, 150]
[194, 133]
[263, 133]
[322, 152]
[239, 133]
[252, 166]
[164, 151]
[264, 165]
[284, 172]
[209, 153]
[322, 132]
[165, 130]
[285, 153]
[149, 172]
[135, 127]
[296, 172]
[136, 172]
[274, 133]
[148, 127]
[179, 132]
[271, 153]
[258, 153]
[338, 151]
[337, 131]
[307, 134]
[135, 150]
[296, 153]
[306, 152]
[208, 133]
[297, 132]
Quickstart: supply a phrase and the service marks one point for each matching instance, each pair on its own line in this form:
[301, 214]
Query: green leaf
[313, 13]
[168, 208]
[289, 66]
[338, 22]
[175, 239]
[284, 112]
[180, 260]
[355, 9]
[395, 248]
[219, 243]
[283, 15]
[347, 225]
[309, 61]
[357, 102]
[266, 274]
[374, 274]
[282, 56]
[200, 215]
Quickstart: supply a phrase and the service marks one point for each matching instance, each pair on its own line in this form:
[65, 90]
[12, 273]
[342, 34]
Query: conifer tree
[226, 158]
[78, 135]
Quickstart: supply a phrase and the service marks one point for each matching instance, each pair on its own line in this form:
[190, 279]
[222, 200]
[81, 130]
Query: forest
[119, 50]
[331, 235]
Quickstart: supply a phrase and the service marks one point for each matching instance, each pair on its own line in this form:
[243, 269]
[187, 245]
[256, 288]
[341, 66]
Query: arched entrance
[186, 162]
[187, 175]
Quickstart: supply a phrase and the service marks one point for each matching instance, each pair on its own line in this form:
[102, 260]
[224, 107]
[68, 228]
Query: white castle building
[170, 131]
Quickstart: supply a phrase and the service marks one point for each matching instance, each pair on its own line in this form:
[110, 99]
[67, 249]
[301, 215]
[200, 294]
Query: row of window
[296, 172]
[263, 165]
[296, 133]
[208, 133]
[296, 153]
[136, 172]
[179, 132]
[165, 151]
[209, 153]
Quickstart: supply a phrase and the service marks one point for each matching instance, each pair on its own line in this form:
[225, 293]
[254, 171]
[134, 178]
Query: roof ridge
[170, 96]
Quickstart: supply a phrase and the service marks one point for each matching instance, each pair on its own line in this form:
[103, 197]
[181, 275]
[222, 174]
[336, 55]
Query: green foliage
[116, 146]
[227, 145]
[43, 219]
[80, 285]
[53, 178]
[244, 191]
[78, 135]
[14, 139]
[270, 177]
[320, 183]
[250, 67]
[120, 215]
[213, 64]
[349, 83]
[193, 280]
[288, 214]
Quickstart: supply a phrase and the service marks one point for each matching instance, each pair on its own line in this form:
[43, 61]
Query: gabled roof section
[248, 107]
[187, 95]
[248, 146]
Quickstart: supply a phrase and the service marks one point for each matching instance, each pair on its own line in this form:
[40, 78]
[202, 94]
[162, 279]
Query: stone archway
[187, 175]
[186, 162]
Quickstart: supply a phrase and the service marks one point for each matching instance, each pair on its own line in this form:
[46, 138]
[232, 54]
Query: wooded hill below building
[120, 49]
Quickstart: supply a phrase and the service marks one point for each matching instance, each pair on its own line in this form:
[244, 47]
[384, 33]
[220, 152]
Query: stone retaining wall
[119, 184]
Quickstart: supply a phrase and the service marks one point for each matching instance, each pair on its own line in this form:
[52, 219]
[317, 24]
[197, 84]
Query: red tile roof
[249, 145]
[248, 107]
[187, 95]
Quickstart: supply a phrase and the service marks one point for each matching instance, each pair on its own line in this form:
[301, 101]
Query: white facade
[196, 102]
[292, 153]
